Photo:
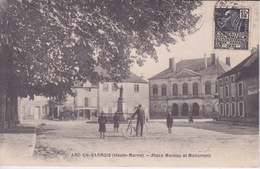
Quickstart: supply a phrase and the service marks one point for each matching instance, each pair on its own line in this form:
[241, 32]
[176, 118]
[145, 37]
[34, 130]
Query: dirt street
[200, 144]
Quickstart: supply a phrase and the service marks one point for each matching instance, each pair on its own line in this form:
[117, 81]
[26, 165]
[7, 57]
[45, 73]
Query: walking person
[169, 121]
[102, 120]
[190, 117]
[140, 119]
[116, 122]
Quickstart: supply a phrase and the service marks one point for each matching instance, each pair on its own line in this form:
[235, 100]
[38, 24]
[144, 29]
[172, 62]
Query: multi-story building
[92, 99]
[135, 91]
[188, 86]
[239, 91]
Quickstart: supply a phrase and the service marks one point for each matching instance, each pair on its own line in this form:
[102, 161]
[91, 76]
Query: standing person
[169, 121]
[102, 120]
[190, 117]
[140, 119]
[116, 122]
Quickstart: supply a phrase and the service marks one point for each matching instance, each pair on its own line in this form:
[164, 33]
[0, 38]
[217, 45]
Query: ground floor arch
[184, 109]
[175, 109]
[195, 109]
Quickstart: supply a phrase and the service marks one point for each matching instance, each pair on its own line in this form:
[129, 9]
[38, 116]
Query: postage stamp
[231, 28]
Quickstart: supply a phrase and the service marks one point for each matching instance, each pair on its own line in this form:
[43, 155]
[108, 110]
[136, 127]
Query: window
[185, 89]
[105, 87]
[87, 89]
[175, 89]
[240, 89]
[114, 87]
[226, 90]
[164, 90]
[136, 88]
[226, 79]
[241, 108]
[220, 81]
[233, 109]
[227, 109]
[216, 87]
[155, 90]
[207, 88]
[195, 89]
[86, 101]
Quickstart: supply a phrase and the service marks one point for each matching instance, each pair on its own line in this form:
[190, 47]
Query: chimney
[213, 58]
[228, 61]
[172, 64]
[205, 61]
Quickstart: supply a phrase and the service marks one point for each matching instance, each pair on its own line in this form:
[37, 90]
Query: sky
[201, 42]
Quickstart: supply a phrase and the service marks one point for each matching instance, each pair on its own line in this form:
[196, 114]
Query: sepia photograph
[129, 83]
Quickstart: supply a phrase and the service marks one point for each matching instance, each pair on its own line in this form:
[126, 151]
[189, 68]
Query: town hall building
[190, 86]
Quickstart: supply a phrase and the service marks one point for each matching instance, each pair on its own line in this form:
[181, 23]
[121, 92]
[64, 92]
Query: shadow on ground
[19, 130]
[221, 127]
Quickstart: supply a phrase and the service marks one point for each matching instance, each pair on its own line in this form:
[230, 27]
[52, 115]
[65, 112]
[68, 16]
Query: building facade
[91, 100]
[135, 92]
[187, 87]
[239, 91]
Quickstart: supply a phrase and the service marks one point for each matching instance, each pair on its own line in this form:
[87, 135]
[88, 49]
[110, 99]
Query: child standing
[169, 121]
[190, 117]
[102, 120]
[116, 122]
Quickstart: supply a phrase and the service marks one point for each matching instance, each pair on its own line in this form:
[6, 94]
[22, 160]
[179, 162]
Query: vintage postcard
[129, 83]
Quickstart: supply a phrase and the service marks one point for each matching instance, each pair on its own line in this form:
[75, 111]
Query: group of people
[102, 120]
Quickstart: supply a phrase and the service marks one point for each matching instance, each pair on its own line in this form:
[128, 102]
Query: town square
[129, 83]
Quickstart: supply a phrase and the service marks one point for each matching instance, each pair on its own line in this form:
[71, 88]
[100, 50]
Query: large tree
[53, 43]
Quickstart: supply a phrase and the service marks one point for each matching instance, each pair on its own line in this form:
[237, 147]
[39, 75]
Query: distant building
[239, 91]
[92, 99]
[135, 92]
[33, 109]
[188, 86]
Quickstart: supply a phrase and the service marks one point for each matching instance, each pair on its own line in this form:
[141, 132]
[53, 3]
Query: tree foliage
[54, 43]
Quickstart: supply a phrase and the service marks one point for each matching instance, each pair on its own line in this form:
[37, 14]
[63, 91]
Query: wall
[108, 99]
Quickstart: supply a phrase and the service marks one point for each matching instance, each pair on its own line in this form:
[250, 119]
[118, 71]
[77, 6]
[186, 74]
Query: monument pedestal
[120, 109]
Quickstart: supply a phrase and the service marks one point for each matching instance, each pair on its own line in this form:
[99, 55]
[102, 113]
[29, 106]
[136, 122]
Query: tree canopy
[53, 43]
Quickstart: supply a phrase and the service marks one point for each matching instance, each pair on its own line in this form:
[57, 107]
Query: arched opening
[184, 89]
[195, 109]
[164, 90]
[195, 88]
[185, 109]
[155, 90]
[175, 109]
[207, 88]
[175, 89]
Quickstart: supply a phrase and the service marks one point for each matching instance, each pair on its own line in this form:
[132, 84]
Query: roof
[244, 65]
[132, 78]
[194, 65]
[219, 68]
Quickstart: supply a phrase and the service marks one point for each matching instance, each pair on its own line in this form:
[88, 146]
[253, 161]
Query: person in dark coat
[169, 121]
[190, 117]
[102, 120]
[140, 119]
[116, 122]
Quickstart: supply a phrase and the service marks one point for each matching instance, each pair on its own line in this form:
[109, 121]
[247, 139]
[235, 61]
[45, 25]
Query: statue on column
[121, 92]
